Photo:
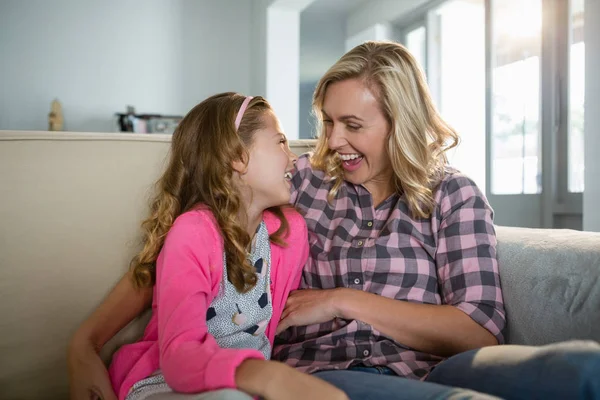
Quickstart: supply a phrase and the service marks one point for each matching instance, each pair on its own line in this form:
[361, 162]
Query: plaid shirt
[449, 258]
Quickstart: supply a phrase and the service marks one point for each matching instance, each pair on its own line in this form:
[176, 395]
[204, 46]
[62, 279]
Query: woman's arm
[87, 372]
[472, 314]
[435, 329]
[442, 330]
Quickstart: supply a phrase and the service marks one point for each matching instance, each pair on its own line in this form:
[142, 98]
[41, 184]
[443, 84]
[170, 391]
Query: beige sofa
[70, 206]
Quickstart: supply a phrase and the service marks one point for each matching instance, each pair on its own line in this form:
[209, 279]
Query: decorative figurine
[55, 118]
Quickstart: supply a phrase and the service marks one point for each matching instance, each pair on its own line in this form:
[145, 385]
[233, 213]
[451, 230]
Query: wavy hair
[199, 171]
[419, 137]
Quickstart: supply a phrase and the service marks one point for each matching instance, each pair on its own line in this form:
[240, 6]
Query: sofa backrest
[70, 208]
[551, 284]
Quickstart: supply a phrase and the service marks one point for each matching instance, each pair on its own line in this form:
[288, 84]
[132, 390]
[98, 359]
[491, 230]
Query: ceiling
[332, 7]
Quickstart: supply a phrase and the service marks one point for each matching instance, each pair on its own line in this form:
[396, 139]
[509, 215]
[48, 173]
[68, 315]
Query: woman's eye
[327, 121]
[353, 127]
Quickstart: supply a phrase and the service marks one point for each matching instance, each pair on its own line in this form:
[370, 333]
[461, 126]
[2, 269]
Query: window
[515, 136]
[576, 98]
[461, 85]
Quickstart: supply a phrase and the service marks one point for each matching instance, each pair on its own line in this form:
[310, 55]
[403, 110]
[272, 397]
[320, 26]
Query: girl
[223, 256]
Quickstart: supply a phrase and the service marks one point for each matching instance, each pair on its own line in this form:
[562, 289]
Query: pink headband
[240, 114]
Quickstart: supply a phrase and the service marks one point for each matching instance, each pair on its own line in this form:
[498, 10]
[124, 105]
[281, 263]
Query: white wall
[372, 12]
[379, 31]
[96, 57]
[591, 195]
[217, 48]
[307, 120]
[258, 84]
[283, 66]
[322, 41]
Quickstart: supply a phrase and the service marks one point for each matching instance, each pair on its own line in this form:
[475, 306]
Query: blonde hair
[200, 171]
[419, 136]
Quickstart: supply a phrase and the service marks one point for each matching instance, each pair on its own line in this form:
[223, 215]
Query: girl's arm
[87, 372]
[272, 380]
[119, 308]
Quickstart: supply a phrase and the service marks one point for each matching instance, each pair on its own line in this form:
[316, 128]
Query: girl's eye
[353, 127]
[327, 121]
[283, 141]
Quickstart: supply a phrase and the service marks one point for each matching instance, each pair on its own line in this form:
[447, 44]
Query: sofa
[70, 208]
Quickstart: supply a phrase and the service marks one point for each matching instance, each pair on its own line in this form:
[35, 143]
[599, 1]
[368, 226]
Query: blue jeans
[569, 370]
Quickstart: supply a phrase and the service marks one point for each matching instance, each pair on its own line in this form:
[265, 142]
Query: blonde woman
[402, 271]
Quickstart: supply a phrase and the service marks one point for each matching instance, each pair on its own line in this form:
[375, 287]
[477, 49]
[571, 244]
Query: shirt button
[370, 224]
[357, 281]
[366, 353]
[360, 243]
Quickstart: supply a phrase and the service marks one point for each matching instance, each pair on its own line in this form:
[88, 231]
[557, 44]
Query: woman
[402, 270]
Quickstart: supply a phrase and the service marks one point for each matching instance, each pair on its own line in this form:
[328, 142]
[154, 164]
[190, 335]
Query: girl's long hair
[203, 149]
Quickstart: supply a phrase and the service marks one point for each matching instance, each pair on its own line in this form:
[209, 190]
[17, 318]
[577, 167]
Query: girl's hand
[291, 384]
[309, 306]
[88, 377]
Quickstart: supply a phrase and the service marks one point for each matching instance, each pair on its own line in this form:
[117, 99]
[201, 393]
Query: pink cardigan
[188, 274]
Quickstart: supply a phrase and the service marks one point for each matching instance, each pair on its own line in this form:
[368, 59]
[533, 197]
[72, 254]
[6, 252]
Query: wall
[591, 195]
[322, 41]
[307, 120]
[373, 12]
[218, 48]
[379, 31]
[258, 83]
[96, 57]
[283, 66]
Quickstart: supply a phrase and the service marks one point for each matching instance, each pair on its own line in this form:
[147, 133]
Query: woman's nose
[335, 138]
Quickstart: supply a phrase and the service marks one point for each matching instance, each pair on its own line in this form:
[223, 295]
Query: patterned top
[239, 320]
[236, 320]
[449, 258]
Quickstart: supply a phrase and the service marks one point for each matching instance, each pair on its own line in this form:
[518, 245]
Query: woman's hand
[309, 306]
[88, 377]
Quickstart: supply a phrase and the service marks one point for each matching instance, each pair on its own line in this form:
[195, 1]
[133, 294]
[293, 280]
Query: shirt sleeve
[190, 358]
[301, 172]
[466, 255]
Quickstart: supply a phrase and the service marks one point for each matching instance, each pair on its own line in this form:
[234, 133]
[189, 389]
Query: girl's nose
[292, 157]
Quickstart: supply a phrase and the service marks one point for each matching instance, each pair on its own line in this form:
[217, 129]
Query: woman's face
[358, 131]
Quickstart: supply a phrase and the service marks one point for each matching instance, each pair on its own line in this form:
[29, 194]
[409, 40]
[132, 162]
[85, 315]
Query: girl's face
[270, 163]
[358, 131]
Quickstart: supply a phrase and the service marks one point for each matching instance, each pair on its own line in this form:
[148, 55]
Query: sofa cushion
[551, 284]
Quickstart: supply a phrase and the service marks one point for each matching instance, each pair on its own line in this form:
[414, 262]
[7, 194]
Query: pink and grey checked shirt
[449, 258]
